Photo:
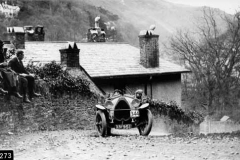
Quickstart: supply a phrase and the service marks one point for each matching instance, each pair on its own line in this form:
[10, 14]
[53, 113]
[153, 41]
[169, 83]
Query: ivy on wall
[174, 112]
[60, 81]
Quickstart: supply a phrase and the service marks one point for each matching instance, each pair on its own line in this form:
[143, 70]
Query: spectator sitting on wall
[2, 65]
[8, 77]
[26, 79]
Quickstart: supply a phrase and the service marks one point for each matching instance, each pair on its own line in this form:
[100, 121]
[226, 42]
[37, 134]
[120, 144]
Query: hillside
[167, 17]
[63, 20]
[69, 20]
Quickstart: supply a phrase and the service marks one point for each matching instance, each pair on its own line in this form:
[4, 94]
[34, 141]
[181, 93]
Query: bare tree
[214, 58]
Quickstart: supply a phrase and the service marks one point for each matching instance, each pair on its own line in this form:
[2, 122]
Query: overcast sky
[229, 6]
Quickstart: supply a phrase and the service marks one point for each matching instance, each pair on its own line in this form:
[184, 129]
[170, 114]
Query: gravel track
[87, 145]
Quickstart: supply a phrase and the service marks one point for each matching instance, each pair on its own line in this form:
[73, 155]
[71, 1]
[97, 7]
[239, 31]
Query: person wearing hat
[138, 94]
[8, 77]
[25, 78]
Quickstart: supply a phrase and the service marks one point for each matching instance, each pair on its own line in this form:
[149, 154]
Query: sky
[229, 6]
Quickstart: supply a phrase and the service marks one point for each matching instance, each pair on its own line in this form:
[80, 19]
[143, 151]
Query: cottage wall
[167, 88]
[130, 84]
[164, 87]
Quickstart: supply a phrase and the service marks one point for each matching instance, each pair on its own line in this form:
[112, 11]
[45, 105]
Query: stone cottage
[119, 66]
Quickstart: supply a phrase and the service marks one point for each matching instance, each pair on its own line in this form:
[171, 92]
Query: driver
[138, 94]
[117, 92]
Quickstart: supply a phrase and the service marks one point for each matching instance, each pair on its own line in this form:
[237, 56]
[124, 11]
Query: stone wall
[67, 111]
[209, 126]
[163, 125]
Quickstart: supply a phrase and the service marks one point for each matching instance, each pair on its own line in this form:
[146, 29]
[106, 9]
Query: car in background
[96, 35]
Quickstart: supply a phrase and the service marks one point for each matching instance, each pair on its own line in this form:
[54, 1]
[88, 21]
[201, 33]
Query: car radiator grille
[122, 111]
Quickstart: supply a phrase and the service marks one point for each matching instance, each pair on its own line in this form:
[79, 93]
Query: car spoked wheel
[94, 37]
[101, 123]
[145, 124]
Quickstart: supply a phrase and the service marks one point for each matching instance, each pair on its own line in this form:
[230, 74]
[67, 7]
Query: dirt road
[86, 145]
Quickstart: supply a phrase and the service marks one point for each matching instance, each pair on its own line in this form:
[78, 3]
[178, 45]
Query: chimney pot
[70, 55]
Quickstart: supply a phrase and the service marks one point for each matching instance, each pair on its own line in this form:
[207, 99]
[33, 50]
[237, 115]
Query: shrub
[60, 81]
[174, 112]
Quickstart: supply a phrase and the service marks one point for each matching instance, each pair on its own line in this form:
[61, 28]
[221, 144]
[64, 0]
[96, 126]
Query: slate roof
[101, 59]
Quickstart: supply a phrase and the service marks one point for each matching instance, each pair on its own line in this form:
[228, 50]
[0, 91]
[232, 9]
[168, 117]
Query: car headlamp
[108, 104]
[135, 103]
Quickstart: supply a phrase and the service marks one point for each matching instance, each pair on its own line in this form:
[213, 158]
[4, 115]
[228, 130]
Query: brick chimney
[70, 55]
[149, 49]
[16, 36]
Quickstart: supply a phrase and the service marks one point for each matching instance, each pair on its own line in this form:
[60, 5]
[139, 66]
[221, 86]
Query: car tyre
[109, 131]
[101, 123]
[146, 121]
[94, 37]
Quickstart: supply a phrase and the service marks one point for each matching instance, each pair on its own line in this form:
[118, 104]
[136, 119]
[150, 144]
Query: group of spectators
[13, 74]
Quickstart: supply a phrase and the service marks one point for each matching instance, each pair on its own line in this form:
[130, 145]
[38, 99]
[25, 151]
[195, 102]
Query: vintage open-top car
[34, 33]
[122, 111]
[96, 35]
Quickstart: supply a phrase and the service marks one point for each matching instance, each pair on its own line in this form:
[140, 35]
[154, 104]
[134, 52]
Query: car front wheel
[94, 37]
[101, 123]
[145, 123]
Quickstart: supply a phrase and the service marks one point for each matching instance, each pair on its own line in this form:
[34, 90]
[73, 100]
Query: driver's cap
[139, 91]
